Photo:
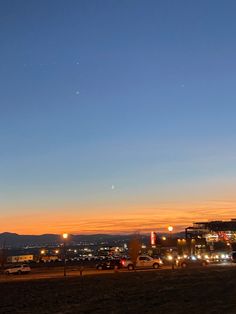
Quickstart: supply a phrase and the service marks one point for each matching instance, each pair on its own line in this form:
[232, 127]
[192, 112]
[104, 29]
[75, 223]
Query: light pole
[181, 245]
[42, 253]
[170, 229]
[65, 237]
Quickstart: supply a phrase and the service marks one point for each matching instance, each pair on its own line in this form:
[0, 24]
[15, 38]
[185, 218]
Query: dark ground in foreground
[202, 290]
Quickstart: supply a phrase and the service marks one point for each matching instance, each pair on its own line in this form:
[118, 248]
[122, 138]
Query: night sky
[116, 116]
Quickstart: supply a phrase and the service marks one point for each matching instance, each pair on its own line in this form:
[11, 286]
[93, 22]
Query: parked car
[18, 269]
[220, 257]
[109, 264]
[143, 261]
[191, 261]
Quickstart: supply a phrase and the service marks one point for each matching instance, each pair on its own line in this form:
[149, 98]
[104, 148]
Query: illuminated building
[212, 232]
[153, 238]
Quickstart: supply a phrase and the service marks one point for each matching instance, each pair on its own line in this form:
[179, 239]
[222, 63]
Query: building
[20, 258]
[153, 238]
[212, 234]
[213, 231]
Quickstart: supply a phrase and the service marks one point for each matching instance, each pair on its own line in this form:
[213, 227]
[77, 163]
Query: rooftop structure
[213, 231]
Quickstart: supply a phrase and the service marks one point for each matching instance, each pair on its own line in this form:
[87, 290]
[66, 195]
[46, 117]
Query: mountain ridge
[8, 239]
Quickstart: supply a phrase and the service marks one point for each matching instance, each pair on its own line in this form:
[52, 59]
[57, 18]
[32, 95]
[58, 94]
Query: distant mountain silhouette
[9, 239]
[15, 240]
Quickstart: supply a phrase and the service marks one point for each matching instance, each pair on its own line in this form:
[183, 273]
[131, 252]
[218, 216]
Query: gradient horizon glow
[116, 116]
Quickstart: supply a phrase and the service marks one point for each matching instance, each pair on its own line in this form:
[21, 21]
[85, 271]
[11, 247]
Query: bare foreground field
[202, 290]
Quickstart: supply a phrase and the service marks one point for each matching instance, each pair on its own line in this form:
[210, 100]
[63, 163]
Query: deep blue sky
[116, 103]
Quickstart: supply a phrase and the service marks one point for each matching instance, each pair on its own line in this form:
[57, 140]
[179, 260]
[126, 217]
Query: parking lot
[78, 271]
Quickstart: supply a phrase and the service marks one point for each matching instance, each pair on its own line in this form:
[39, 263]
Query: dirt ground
[202, 290]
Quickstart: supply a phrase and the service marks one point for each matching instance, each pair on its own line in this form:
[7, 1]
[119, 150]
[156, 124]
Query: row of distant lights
[56, 251]
[207, 257]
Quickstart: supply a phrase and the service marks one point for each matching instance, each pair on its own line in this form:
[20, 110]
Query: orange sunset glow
[141, 220]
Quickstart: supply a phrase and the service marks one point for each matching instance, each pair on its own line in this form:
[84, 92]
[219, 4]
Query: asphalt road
[58, 272]
[44, 273]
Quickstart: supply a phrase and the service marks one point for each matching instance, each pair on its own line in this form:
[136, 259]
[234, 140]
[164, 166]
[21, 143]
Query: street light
[170, 229]
[65, 237]
[42, 253]
[181, 244]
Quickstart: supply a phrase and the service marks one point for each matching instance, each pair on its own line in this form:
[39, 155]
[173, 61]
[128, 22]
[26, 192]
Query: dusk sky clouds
[116, 115]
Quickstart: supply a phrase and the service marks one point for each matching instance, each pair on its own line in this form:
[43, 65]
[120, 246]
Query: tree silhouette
[134, 248]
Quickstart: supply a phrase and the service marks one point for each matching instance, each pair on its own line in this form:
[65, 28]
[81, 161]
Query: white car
[18, 269]
[143, 261]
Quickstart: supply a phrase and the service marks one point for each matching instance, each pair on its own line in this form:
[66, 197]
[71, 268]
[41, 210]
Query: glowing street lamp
[42, 252]
[181, 244]
[65, 237]
[170, 229]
